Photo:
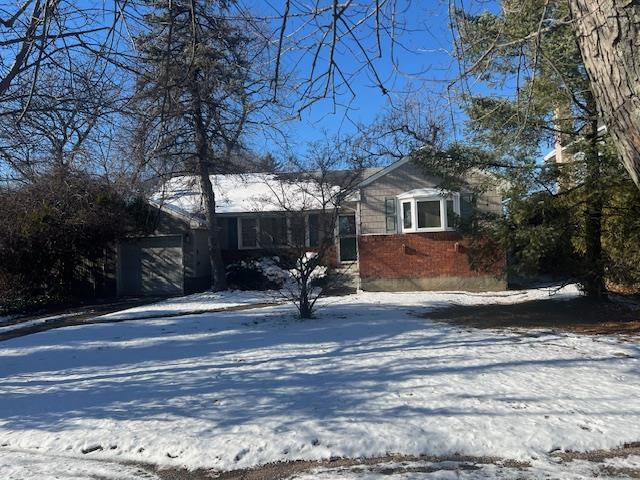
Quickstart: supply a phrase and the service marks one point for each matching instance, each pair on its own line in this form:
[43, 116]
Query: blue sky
[426, 66]
[423, 55]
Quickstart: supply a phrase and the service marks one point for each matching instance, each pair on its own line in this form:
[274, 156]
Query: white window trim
[413, 201]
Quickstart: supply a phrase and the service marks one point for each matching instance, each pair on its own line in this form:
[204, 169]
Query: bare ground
[578, 315]
[94, 315]
[390, 465]
[386, 465]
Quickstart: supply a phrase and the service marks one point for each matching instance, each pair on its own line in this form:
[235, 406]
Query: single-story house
[396, 231]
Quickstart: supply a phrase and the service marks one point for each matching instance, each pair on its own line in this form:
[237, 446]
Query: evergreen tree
[196, 93]
[552, 103]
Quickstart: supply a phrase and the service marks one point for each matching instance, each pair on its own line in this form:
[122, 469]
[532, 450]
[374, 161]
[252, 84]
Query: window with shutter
[390, 214]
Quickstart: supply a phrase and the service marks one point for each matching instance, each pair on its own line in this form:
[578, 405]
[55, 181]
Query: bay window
[407, 215]
[428, 210]
[429, 213]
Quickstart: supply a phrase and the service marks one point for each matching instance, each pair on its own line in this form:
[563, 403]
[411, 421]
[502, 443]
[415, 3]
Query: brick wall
[419, 255]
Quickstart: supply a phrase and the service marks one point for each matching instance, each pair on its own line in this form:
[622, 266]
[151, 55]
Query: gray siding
[402, 179]
[200, 249]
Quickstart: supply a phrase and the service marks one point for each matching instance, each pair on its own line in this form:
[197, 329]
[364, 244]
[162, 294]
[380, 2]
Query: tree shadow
[356, 362]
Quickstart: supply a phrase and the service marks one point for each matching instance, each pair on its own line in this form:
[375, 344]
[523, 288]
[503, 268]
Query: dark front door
[348, 242]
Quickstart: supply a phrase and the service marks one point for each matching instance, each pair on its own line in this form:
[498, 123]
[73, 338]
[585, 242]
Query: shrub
[54, 234]
[255, 274]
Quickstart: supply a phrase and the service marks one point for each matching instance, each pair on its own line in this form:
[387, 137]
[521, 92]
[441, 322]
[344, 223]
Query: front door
[347, 240]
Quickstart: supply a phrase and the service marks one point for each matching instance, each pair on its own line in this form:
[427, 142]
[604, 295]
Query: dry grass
[579, 315]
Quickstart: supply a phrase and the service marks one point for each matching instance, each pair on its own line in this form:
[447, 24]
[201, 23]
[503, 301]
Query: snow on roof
[243, 193]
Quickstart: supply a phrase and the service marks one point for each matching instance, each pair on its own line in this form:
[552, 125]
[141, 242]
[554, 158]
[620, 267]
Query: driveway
[56, 318]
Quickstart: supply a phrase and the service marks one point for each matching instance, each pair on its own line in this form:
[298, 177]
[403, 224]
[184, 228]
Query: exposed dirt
[399, 464]
[579, 315]
[600, 455]
[387, 465]
[93, 315]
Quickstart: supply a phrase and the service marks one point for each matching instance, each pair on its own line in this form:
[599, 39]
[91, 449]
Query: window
[314, 230]
[407, 217]
[298, 230]
[429, 210]
[249, 232]
[348, 244]
[273, 231]
[451, 214]
[390, 214]
[429, 214]
[346, 225]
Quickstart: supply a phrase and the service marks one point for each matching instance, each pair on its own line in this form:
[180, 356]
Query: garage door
[151, 266]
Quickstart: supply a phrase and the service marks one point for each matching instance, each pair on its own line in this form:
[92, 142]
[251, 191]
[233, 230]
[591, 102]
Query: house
[396, 231]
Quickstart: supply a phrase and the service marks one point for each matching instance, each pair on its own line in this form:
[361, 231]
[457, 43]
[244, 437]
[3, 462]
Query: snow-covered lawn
[369, 376]
[30, 465]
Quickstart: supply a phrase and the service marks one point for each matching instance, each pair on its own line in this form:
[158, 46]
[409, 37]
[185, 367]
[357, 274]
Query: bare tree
[40, 35]
[309, 200]
[64, 125]
[332, 42]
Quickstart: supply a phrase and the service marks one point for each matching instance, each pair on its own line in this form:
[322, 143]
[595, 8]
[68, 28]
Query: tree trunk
[608, 33]
[304, 308]
[594, 265]
[218, 274]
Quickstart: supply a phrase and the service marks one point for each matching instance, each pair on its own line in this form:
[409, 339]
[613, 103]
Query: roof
[242, 193]
[259, 192]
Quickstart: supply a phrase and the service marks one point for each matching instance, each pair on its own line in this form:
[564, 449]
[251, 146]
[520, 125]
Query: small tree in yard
[313, 193]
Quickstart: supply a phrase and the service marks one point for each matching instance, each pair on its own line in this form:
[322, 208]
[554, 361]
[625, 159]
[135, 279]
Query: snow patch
[251, 192]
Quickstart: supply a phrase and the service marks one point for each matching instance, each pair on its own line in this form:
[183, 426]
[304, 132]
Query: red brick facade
[419, 255]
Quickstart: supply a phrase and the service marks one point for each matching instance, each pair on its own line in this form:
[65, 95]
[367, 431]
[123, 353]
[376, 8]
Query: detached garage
[151, 266]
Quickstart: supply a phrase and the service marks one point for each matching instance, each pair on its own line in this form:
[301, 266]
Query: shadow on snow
[247, 367]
